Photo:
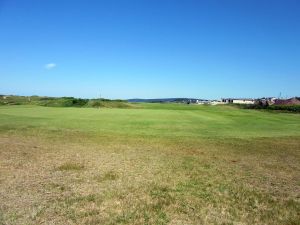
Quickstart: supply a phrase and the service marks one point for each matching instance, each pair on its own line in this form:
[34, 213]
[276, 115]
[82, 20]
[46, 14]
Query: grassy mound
[64, 102]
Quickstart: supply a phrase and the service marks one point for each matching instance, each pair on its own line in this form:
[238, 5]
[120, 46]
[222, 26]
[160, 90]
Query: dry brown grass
[148, 181]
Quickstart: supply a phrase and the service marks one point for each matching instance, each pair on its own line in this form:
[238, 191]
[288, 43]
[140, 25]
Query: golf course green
[149, 164]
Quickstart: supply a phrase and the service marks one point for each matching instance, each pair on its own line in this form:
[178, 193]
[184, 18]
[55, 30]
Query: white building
[243, 101]
[249, 101]
[215, 102]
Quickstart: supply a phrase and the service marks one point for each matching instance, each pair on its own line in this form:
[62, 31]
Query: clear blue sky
[150, 48]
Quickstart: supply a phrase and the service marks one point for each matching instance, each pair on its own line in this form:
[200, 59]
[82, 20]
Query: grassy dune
[153, 164]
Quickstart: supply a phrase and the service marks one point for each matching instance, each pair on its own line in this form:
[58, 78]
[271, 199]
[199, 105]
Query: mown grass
[158, 164]
[194, 121]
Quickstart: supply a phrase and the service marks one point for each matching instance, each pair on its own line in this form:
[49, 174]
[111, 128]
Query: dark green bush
[284, 108]
[290, 108]
[79, 102]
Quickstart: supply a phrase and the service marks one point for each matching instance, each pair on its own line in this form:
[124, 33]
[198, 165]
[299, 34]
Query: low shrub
[283, 108]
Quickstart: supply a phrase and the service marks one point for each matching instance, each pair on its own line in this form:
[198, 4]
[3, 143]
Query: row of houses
[227, 101]
[252, 101]
[238, 100]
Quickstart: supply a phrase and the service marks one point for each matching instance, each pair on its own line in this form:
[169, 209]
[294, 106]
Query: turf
[150, 164]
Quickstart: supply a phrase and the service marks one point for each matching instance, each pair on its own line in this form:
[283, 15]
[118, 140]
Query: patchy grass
[182, 165]
[71, 166]
[108, 176]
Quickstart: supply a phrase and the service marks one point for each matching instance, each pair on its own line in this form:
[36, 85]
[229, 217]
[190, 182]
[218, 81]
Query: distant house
[265, 101]
[202, 102]
[227, 100]
[291, 101]
[216, 102]
[243, 101]
[238, 100]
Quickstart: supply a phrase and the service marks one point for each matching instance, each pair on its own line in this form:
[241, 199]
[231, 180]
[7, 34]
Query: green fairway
[149, 164]
[159, 120]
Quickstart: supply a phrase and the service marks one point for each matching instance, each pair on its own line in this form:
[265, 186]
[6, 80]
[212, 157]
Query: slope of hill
[63, 102]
